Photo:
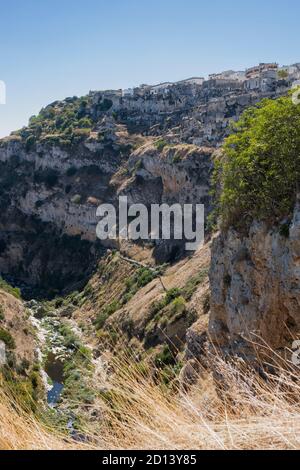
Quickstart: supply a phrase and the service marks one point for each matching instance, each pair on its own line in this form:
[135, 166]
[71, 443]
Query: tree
[258, 172]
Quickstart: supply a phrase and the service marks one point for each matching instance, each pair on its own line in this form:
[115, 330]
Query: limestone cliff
[80, 152]
[255, 287]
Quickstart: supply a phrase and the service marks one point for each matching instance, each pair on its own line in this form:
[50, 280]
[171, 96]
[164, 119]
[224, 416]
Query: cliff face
[50, 196]
[255, 287]
[82, 152]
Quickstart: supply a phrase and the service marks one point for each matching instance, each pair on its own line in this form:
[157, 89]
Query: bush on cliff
[6, 337]
[58, 123]
[9, 289]
[257, 175]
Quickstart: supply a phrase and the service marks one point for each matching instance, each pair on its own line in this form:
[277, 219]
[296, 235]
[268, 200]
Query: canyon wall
[255, 287]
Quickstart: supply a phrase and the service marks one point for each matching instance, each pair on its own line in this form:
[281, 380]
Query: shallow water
[54, 368]
[54, 394]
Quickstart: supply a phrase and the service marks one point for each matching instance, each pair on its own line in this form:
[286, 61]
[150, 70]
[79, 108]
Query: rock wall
[255, 287]
[152, 148]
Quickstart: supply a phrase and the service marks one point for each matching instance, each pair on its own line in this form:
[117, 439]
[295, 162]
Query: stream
[52, 353]
[54, 369]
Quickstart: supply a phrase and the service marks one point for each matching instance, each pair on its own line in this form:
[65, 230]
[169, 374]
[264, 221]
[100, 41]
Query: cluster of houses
[162, 88]
[262, 78]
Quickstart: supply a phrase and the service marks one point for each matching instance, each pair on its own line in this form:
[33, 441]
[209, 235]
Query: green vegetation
[285, 230]
[177, 158]
[76, 199]
[191, 286]
[165, 357]
[171, 295]
[258, 175]
[70, 339]
[172, 308]
[282, 74]
[105, 105]
[62, 122]
[2, 315]
[206, 304]
[7, 338]
[180, 296]
[178, 306]
[9, 289]
[25, 387]
[76, 371]
[160, 144]
[140, 279]
[106, 313]
[167, 366]
[30, 142]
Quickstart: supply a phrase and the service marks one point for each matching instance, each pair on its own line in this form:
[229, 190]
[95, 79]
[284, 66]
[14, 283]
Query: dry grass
[21, 431]
[248, 412]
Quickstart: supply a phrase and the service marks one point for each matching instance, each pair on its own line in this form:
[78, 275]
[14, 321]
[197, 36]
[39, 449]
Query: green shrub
[192, 285]
[106, 313]
[177, 158]
[58, 123]
[140, 279]
[206, 304]
[258, 175]
[76, 199]
[9, 289]
[160, 144]
[284, 230]
[164, 358]
[106, 105]
[6, 337]
[178, 306]
[70, 339]
[2, 315]
[85, 123]
[170, 296]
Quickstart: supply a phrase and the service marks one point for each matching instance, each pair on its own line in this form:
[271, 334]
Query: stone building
[258, 70]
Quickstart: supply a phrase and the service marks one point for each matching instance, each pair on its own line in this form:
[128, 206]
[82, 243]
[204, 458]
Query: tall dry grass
[248, 410]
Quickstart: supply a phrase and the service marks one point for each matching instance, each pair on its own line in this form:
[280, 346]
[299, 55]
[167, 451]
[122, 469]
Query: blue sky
[50, 49]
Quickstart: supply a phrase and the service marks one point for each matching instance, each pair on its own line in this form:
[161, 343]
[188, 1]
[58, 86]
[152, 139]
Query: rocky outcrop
[52, 192]
[17, 339]
[80, 152]
[255, 287]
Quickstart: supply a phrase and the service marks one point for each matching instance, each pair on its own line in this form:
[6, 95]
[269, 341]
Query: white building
[127, 92]
[160, 89]
[264, 81]
[252, 84]
[255, 72]
[228, 75]
[191, 81]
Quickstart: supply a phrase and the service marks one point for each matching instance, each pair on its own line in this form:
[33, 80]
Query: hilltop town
[196, 110]
[262, 77]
